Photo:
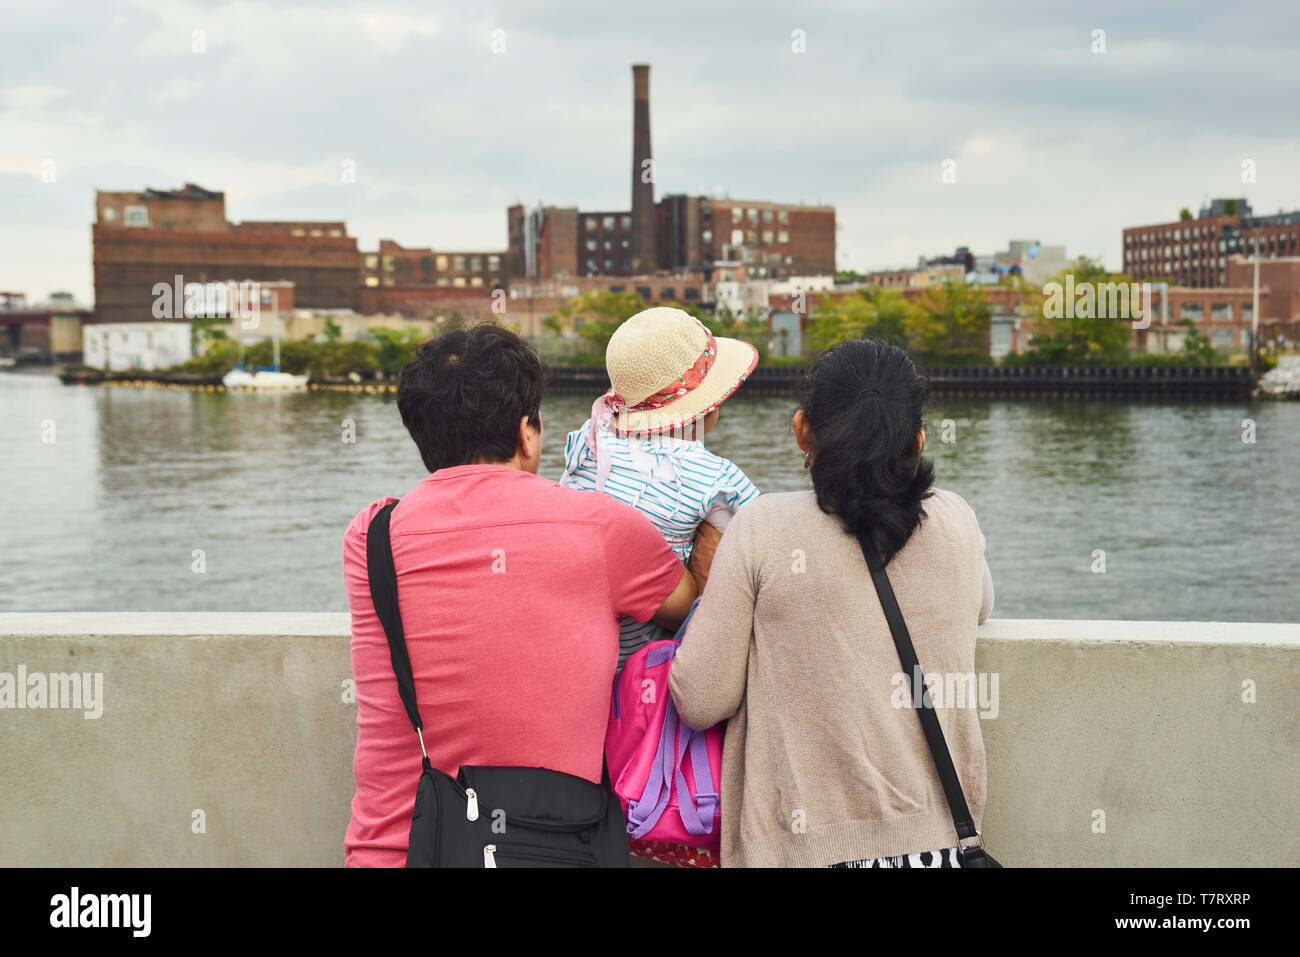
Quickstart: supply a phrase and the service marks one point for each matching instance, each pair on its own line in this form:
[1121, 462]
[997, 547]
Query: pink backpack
[666, 774]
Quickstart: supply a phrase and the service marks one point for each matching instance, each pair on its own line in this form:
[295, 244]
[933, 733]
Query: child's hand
[701, 560]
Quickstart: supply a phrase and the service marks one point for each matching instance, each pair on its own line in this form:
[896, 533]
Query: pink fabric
[510, 589]
[633, 746]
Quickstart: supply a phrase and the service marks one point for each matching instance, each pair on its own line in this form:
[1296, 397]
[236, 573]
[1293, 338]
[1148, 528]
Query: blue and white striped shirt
[674, 482]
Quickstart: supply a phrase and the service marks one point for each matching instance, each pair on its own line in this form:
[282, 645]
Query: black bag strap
[961, 816]
[383, 592]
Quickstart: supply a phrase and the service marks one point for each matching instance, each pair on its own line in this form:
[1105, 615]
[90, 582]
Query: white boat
[239, 378]
[271, 379]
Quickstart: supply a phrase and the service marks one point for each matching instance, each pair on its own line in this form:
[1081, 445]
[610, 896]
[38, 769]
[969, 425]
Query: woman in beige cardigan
[825, 762]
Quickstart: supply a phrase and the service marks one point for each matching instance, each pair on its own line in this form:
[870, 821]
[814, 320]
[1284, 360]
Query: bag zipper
[472, 806]
[528, 852]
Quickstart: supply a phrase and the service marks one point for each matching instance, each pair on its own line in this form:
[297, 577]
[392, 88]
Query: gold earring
[807, 459]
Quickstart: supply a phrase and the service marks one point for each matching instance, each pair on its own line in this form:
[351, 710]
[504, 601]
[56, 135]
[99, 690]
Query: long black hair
[863, 401]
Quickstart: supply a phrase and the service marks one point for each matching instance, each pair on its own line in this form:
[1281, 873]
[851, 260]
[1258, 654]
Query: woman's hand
[701, 560]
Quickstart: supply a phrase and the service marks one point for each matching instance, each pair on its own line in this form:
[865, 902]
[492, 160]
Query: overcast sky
[1051, 140]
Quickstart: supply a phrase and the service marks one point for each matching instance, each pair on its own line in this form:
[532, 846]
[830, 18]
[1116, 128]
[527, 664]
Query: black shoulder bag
[491, 816]
[972, 854]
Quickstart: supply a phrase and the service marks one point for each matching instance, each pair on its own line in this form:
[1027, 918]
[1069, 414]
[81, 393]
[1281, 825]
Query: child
[668, 375]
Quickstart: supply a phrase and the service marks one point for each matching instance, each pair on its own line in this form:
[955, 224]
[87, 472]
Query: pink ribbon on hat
[606, 409]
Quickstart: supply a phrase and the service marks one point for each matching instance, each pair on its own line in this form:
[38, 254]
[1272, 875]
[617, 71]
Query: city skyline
[1063, 144]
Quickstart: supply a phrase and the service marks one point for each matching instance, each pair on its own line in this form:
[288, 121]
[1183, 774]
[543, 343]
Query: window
[591, 245]
[1192, 310]
[458, 263]
[609, 264]
[691, 293]
[707, 237]
[737, 237]
[372, 262]
[591, 265]
[476, 280]
[609, 244]
[136, 216]
[627, 222]
[783, 217]
[643, 292]
[736, 214]
[767, 216]
[667, 292]
[768, 236]
[374, 280]
[1247, 309]
[494, 263]
[442, 264]
[444, 281]
[609, 222]
[336, 233]
[592, 224]
[753, 216]
[1221, 310]
[626, 243]
[783, 236]
[458, 282]
[110, 214]
[476, 263]
[615, 288]
[1222, 338]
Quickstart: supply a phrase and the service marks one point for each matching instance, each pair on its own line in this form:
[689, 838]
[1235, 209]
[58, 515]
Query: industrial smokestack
[644, 257]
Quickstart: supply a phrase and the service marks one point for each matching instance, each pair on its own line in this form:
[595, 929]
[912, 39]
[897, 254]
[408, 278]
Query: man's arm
[673, 611]
[701, 560]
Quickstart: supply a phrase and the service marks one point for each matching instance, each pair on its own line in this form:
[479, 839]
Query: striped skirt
[945, 858]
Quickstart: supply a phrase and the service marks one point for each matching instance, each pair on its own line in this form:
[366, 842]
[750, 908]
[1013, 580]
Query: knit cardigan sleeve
[710, 668]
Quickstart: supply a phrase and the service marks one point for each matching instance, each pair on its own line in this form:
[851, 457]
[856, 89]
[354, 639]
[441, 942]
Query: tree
[949, 325]
[868, 312]
[1184, 214]
[1197, 350]
[1230, 207]
[1077, 332]
[396, 348]
[594, 316]
[332, 330]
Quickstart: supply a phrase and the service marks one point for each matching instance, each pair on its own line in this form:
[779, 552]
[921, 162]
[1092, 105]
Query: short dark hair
[463, 396]
[864, 402]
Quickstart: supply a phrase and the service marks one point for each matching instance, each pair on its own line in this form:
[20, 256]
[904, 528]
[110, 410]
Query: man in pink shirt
[510, 589]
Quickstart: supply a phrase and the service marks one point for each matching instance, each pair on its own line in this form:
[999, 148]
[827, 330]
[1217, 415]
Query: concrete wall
[246, 718]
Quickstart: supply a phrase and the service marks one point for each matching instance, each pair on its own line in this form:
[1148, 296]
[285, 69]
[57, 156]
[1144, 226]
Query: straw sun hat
[666, 371]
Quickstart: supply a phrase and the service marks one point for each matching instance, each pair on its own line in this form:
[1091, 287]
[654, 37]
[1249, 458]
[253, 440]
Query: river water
[107, 494]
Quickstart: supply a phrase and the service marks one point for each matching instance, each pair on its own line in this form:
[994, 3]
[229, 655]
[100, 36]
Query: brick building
[532, 300]
[678, 233]
[1195, 252]
[396, 265]
[144, 238]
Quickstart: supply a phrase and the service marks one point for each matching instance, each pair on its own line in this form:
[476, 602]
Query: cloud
[1052, 141]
